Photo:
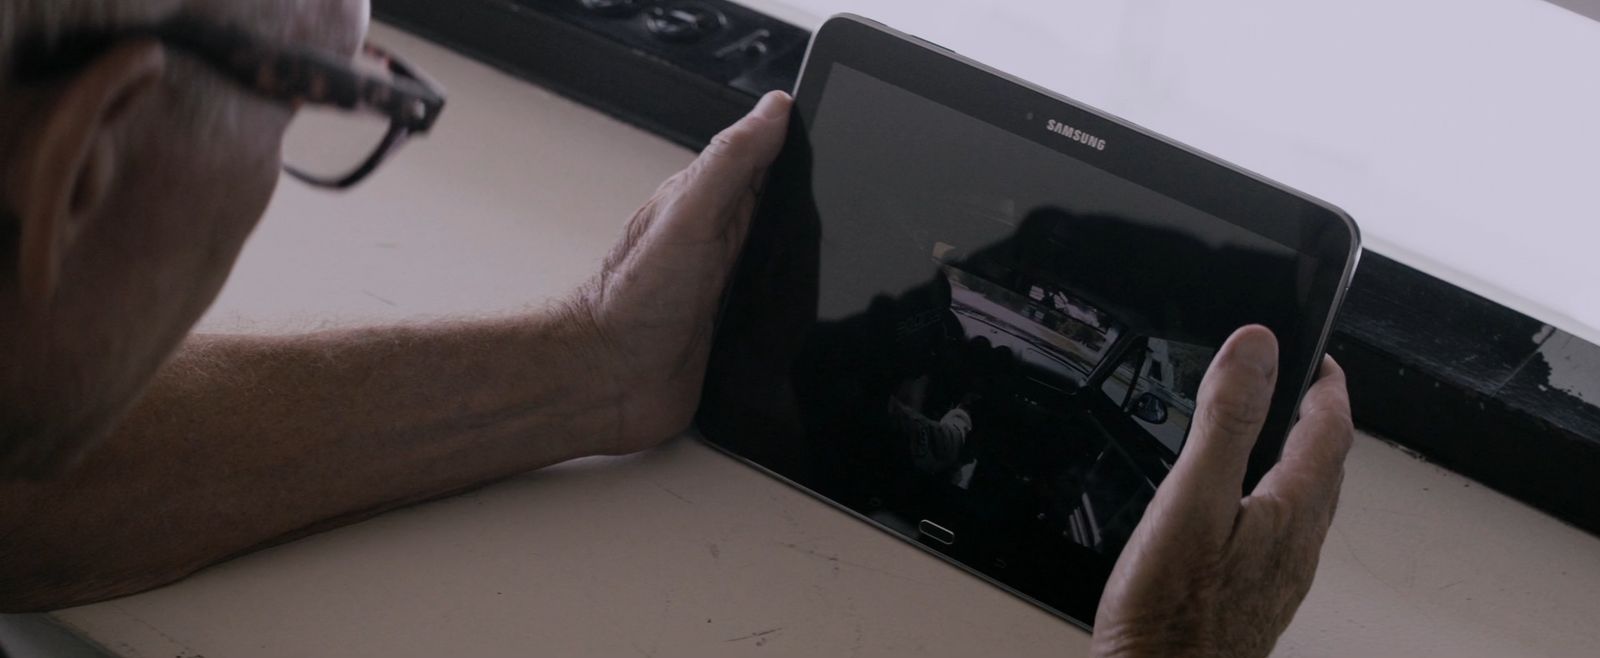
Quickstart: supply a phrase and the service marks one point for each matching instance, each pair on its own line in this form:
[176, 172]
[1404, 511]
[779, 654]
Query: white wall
[1462, 134]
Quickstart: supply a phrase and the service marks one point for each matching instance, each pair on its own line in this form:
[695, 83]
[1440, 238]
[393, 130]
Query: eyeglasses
[333, 141]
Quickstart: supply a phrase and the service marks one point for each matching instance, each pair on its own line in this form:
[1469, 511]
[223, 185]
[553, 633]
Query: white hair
[48, 19]
[202, 106]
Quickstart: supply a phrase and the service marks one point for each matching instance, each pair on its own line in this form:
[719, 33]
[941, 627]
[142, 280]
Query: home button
[936, 532]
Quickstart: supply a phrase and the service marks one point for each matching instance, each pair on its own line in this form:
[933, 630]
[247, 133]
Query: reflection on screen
[974, 340]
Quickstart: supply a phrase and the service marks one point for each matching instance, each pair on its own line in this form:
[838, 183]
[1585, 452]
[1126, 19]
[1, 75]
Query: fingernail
[1257, 349]
[772, 105]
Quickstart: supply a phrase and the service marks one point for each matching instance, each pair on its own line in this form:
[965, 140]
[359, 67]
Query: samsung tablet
[975, 313]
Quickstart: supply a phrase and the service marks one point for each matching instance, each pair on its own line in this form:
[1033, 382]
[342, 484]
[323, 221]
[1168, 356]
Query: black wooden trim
[1589, 8]
[1455, 377]
[1466, 383]
[675, 91]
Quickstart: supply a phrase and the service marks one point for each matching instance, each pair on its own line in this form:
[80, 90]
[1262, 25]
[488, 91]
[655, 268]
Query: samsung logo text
[1075, 135]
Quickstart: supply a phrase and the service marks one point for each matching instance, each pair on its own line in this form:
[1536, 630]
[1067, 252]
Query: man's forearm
[242, 442]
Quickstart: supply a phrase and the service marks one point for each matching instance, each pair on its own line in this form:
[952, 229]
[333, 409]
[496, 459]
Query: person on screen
[934, 446]
[132, 168]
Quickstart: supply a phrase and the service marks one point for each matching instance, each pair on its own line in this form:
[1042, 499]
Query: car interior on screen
[1000, 399]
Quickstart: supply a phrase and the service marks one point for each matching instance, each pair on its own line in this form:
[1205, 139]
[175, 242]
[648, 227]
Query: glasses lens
[328, 142]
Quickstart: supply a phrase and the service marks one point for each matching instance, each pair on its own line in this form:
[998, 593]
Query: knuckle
[1300, 514]
[697, 170]
[1279, 510]
[1332, 508]
[722, 140]
[675, 183]
[633, 233]
[1234, 414]
[1336, 426]
[725, 143]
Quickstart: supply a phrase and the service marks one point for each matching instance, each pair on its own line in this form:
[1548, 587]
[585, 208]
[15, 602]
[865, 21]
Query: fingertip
[1330, 368]
[773, 105]
[1329, 375]
[1254, 346]
[772, 115]
[759, 135]
[1329, 392]
[1254, 330]
[1326, 406]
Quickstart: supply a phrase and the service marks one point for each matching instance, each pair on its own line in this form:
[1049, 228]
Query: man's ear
[68, 161]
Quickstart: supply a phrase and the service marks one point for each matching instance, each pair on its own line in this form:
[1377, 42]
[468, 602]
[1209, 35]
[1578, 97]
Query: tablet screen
[975, 340]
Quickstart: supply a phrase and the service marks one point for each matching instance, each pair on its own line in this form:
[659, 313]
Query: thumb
[1232, 405]
[735, 161]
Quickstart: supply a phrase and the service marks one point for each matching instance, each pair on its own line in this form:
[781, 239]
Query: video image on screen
[1106, 407]
[974, 341]
[996, 399]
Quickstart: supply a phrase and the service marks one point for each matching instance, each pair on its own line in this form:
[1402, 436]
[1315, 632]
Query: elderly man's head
[129, 179]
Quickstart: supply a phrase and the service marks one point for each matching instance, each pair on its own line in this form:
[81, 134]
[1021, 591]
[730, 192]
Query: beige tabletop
[682, 551]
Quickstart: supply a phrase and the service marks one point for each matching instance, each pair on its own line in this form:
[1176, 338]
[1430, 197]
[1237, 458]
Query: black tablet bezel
[1270, 209]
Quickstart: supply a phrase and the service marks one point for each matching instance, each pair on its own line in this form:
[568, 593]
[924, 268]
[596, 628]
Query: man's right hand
[1208, 573]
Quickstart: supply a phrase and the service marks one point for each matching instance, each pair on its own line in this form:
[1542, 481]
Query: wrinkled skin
[1210, 573]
